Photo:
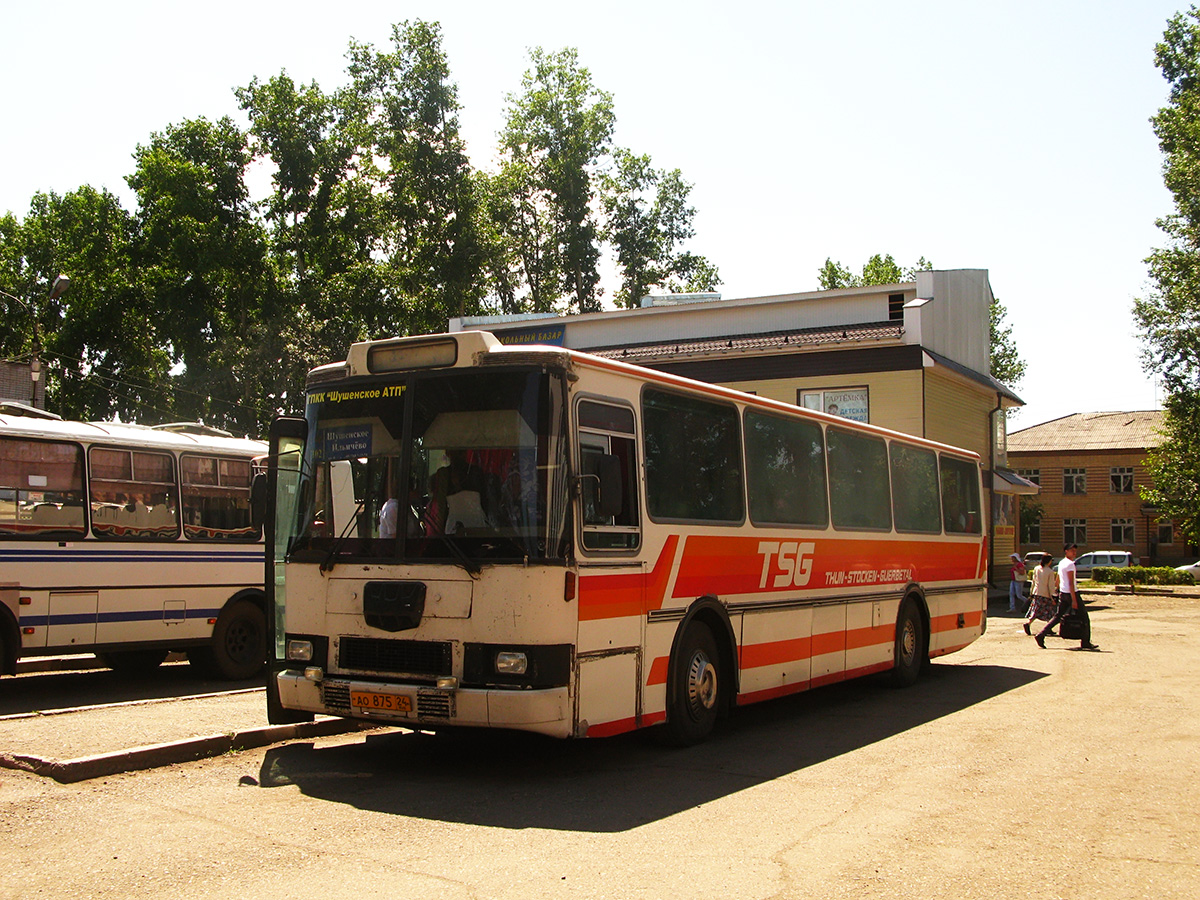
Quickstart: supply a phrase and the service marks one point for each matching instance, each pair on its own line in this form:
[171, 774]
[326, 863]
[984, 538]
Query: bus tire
[697, 682]
[911, 645]
[238, 649]
[132, 662]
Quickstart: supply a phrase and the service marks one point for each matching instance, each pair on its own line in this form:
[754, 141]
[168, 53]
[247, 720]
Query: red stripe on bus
[608, 729]
[615, 596]
[729, 564]
[658, 671]
[782, 690]
[755, 656]
[946, 650]
[949, 622]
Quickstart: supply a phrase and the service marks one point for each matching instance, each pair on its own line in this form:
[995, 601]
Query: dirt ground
[1008, 772]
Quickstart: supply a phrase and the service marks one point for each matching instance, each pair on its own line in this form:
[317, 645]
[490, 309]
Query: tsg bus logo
[792, 561]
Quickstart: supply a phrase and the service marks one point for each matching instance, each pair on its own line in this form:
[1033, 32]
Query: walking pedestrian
[1068, 599]
[1016, 584]
[1043, 590]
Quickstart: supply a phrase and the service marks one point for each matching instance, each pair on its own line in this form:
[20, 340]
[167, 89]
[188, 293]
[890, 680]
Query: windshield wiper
[473, 568]
[331, 559]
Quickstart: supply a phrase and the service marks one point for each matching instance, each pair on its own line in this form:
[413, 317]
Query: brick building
[1090, 468]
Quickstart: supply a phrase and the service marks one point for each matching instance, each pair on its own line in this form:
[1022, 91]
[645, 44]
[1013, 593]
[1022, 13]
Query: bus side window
[608, 483]
[41, 488]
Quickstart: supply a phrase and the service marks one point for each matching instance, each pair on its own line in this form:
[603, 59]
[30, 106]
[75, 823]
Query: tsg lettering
[794, 558]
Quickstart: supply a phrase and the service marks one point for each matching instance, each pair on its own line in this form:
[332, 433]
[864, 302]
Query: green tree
[100, 343]
[648, 217]
[1174, 466]
[202, 254]
[557, 131]
[433, 236]
[1168, 317]
[1007, 367]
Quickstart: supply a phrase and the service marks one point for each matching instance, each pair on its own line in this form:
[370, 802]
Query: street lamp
[61, 283]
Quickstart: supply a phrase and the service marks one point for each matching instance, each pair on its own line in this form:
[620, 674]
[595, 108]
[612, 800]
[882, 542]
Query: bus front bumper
[545, 711]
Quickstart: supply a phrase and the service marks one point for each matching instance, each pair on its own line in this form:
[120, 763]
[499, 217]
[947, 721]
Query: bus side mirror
[610, 499]
[258, 500]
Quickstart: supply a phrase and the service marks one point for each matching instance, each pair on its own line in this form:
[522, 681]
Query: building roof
[1137, 430]
[661, 351]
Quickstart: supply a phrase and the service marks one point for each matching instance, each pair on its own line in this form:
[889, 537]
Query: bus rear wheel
[238, 649]
[132, 662]
[911, 645]
[694, 700]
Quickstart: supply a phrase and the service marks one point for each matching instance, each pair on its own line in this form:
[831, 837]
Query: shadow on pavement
[508, 780]
[44, 691]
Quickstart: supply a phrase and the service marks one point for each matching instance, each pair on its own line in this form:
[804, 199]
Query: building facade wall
[1098, 506]
[894, 397]
[958, 416]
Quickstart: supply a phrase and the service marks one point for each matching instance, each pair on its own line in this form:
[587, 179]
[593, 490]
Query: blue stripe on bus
[71, 555]
[140, 615]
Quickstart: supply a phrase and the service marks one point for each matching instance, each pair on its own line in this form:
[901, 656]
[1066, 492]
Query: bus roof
[464, 349]
[134, 435]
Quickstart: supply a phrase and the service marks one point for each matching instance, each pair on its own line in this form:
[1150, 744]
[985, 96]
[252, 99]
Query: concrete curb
[153, 756]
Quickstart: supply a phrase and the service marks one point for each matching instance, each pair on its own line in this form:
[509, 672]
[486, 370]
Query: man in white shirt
[1068, 599]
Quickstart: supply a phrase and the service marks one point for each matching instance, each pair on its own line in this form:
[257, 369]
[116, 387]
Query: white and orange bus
[466, 533]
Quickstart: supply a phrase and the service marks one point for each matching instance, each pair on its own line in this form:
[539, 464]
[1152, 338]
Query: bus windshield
[458, 467]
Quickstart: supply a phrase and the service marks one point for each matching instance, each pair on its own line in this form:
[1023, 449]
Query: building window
[895, 307]
[1120, 479]
[1033, 531]
[1034, 475]
[1122, 531]
[1074, 481]
[1166, 532]
[1074, 531]
[849, 403]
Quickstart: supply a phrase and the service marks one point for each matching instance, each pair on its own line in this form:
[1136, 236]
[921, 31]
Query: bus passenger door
[72, 618]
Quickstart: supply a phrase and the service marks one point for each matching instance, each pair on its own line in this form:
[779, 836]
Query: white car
[1098, 558]
[1192, 569]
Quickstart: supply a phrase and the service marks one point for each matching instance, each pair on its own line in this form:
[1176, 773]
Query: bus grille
[336, 694]
[435, 704]
[399, 657]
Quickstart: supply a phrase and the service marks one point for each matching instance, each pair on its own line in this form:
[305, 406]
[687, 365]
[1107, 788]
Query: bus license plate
[381, 702]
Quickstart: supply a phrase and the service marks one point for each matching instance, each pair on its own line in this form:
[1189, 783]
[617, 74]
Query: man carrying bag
[1069, 602]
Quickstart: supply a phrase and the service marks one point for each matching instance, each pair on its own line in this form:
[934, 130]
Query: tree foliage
[1174, 466]
[648, 218]
[204, 303]
[1007, 366]
[1168, 317]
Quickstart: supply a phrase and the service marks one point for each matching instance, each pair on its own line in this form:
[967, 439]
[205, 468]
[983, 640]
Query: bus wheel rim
[702, 684]
[908, 641]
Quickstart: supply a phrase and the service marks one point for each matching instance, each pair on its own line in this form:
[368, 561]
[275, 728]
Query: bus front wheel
[911, 644]
[238, 649]
[695, 696]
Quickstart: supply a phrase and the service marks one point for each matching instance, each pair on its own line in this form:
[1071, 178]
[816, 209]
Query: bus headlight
[300, 651]
[510, 662]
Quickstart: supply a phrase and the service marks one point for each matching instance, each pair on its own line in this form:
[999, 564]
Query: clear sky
[1010, 136]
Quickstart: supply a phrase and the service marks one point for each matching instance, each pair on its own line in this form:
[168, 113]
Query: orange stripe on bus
[775, 653]
[730, 564]
[658, 671]
[614, 596]
[950, 622]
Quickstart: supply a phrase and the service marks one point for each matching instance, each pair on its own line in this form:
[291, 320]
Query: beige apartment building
[913, 357]
[1090, 468]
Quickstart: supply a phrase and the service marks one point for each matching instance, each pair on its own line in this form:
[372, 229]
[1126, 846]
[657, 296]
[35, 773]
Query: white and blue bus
[129, 542]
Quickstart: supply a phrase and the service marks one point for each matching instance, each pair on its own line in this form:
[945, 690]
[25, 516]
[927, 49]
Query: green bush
[1140, 575]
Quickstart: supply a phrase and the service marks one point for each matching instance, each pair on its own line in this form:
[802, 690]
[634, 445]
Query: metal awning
[1006, 481]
